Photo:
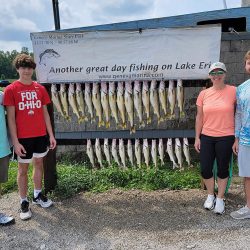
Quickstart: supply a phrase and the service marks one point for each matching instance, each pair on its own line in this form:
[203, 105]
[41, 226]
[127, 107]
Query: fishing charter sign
[166, 53]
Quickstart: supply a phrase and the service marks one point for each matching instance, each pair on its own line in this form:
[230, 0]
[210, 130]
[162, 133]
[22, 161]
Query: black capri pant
[219, 148]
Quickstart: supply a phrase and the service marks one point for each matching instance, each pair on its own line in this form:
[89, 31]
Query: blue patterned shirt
[242, 115]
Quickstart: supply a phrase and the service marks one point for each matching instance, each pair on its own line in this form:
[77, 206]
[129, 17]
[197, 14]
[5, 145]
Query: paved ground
[127, 220]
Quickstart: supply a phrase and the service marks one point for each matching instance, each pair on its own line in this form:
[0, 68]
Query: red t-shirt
[28, 101]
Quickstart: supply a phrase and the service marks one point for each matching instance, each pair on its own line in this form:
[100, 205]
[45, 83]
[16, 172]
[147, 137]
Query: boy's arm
[11, 117]
[49, 127]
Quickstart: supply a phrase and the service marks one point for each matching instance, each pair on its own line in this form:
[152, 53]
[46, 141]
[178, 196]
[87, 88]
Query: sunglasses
[217, 73]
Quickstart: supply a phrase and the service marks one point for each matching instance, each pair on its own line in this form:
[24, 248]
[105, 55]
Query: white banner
[169, 53]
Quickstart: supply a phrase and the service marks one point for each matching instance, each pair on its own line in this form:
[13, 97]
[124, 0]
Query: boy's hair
[23, 60]
[247, 56]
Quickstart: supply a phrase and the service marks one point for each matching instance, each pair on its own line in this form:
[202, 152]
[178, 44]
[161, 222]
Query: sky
[18, 18]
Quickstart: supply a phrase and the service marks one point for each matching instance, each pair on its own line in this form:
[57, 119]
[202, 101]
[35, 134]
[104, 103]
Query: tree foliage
[7, 71]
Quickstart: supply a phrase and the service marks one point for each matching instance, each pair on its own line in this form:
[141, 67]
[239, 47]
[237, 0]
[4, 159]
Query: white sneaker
[42, 200]
[210, 202]
[242, 213]
[25, 212]
[219, 206]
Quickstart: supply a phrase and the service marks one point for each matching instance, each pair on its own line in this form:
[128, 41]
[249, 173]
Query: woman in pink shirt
[214, 134]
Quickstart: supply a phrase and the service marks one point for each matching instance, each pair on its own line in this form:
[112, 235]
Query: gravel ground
[128, 220]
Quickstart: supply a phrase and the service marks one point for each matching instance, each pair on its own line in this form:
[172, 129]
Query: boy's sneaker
[42, 200]
[210, 202]
[25, 212]
[242, 213]
[219, 206]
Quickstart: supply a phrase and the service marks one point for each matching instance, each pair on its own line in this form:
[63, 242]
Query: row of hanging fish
[117, 153]
[120, 100]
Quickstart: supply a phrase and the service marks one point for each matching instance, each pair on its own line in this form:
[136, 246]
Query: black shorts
[35, 147]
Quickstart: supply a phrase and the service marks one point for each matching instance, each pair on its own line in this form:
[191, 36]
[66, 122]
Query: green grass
[74, 178]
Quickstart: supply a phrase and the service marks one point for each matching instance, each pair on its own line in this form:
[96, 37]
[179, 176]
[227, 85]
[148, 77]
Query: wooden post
[49, 163]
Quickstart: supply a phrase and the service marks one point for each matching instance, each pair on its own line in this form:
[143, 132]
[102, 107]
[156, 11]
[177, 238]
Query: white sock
[219, 200]
[36, 192]
[23, 199]
[210, 195]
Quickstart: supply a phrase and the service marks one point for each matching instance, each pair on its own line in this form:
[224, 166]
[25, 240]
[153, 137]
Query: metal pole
[56, 14]
[225, 4]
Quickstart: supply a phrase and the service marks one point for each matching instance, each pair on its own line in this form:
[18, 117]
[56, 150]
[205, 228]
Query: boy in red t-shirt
[29, 124]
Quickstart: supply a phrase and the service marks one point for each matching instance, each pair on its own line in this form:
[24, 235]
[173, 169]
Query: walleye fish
[105, 103]
[90, 153]
[146, 152]
[56, 100]
[106, 150]
[178, 152]
[154, 152]
[146, 100]
[171, 98]
[130, 152]
[122, 152]
[88, 100]
[96, 99]
[98, 151]
[186, 151]
[114, 152]
[121, 103]
[129, 105]
[138, 152]
[161, 151]
[80, 101]
[154, 100]
[163, 97]
[138, 102]
[64, 100]
[112, 102]
[180, 97]
[72, 101]
[170, 151]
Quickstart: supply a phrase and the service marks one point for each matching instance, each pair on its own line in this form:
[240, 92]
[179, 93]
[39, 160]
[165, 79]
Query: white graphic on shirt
[29, 102]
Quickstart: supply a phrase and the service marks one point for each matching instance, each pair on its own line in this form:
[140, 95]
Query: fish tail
[149, 120]
[107, 124]
[182, 114]
[67, 118]
[142, 124]
[132, 130]
[92, 119]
